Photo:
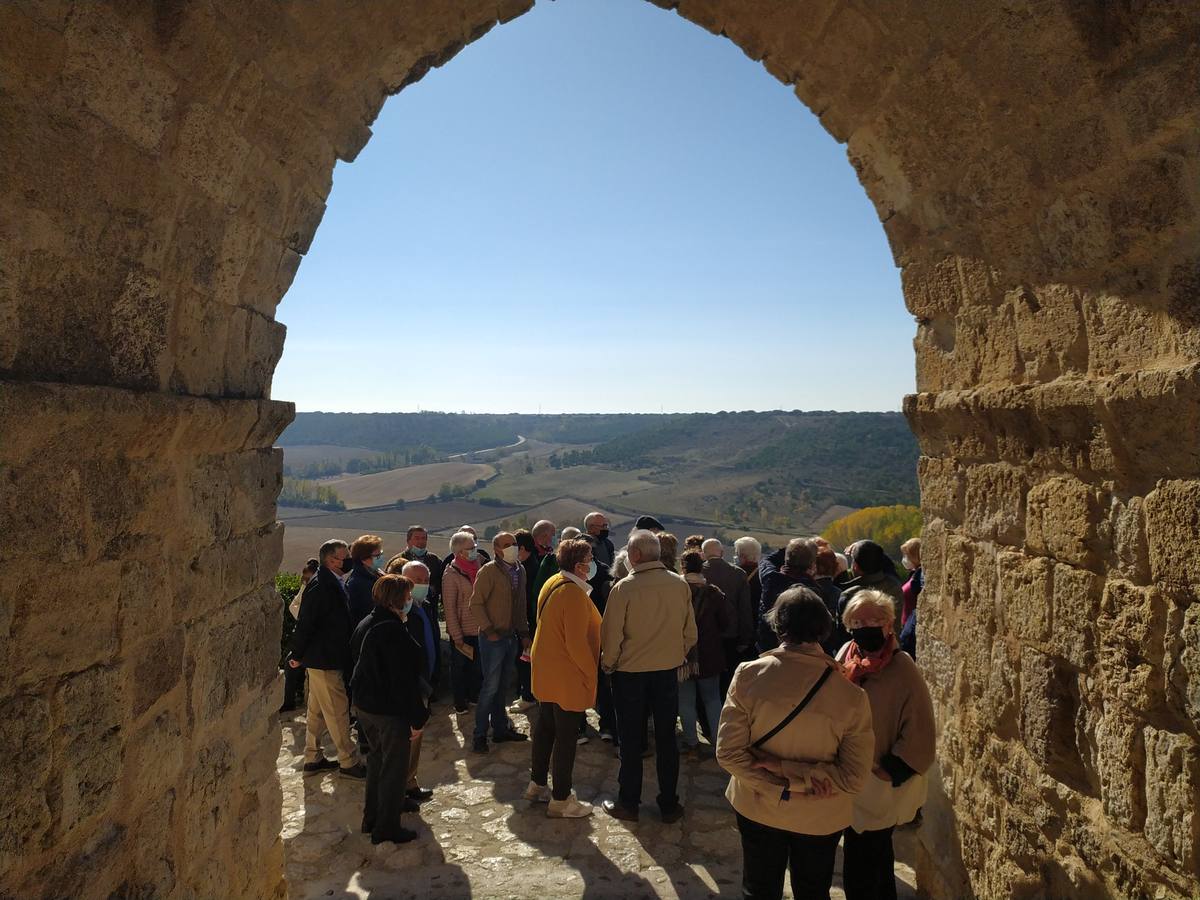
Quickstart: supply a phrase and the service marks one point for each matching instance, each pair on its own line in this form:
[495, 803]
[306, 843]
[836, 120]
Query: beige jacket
[831, 738]
[648, 621]
[495, 605]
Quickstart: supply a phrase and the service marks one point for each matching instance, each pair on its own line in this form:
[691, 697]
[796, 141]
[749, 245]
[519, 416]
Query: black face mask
[869, 640]
[603, 535]
[347, 566]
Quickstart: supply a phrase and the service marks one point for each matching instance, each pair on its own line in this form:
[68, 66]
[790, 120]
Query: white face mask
[510, 554]
[907, 563]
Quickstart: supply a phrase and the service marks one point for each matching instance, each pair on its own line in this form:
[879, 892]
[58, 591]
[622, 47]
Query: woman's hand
[770, 764]
[821, 787]
[416, 733]
[293, 663]
[882, 775]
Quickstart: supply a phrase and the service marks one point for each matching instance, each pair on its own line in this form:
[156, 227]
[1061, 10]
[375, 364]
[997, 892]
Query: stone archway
[1035, 168]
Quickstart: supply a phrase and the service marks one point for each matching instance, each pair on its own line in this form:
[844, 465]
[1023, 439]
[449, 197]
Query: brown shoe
[617, 811]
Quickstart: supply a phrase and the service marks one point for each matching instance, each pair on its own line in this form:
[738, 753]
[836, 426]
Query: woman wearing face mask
[565, 657]
[389, 704]
[911, 552]
[458, 582]
[366, 554]
[902, 716]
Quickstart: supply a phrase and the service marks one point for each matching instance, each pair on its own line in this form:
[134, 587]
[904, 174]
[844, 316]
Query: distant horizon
[611, 412]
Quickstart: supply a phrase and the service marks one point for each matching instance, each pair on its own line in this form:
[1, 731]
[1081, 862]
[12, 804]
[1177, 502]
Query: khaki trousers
[328, 709]
[414, 757]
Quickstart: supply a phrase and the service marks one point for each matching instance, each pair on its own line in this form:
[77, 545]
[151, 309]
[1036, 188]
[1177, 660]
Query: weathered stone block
[1049, 705]
[234, 650]
[1172, 795]
[1127, 524]
[24, 816]
[1064, 515]
[1120, 760]
[157, 754]
[1076, 604]
[1131, 630]
[155, 667]
[1183, 663]
[89, 715]
[1025, 594]
[1050, 334]
[1172, 524]
[995, 503]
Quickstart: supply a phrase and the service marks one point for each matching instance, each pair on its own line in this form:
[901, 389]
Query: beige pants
[414, 758]
[328, 708]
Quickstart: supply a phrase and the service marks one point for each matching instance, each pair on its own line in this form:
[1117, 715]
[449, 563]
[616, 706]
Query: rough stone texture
[1036, 170]
[478, 838]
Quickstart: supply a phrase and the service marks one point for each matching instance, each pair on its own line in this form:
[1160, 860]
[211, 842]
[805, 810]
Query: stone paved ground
[477, 838]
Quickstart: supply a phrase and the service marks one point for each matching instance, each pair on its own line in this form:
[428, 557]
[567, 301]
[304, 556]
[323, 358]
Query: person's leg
[366, 722]
[293, 687]
[868, 865]
[764, 860]
[491, 659]
[414, 760]
[858, 868]
[664, 701]
[687, 712]
[474, 671]
[458, 677]
[810, 861]
[509, 648]
[566, 726]
[710, 700]
[629, 702]
[314, 721]
[337, 718]
[543, 744]
[524, 680]
[393, 772]
[605, 708]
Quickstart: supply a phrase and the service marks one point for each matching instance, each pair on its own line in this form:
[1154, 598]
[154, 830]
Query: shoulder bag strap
[795, 712]
[542, 605]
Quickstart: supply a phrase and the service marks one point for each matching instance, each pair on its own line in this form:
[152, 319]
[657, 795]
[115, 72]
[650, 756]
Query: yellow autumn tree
[888, 526]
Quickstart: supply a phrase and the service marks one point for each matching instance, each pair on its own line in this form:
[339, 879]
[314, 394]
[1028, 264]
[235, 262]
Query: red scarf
[858, 665]
[468, 567]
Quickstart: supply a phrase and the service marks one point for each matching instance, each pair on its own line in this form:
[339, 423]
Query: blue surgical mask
[376, 560]
[420, 592]
[418, 552]
[408, 605]
[591, 570]
[472, 554]
[553, 541]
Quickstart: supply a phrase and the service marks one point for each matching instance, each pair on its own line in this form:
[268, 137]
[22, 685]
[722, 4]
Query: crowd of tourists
[796, 666]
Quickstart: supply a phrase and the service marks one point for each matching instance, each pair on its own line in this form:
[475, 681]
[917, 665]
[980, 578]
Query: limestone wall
[1035, 167]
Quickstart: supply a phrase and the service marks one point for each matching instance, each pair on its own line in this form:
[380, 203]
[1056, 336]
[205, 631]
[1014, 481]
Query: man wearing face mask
[417, 550]
[321, 643]
[498, 605]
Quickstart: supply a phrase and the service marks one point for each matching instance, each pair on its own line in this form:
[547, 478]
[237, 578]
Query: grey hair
[541, 527]
[645, 543]
[329, 548]
[570, 533]
[748, 547]
[592, 516]
[712, 548]
[413, 564]
[460, 540]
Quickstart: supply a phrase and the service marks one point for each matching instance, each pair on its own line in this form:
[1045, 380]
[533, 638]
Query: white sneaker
[537, 793]
[568, 809]
[522, 705]
[581, 740]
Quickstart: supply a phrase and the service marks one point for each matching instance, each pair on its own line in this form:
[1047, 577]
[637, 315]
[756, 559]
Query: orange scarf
[858, 665]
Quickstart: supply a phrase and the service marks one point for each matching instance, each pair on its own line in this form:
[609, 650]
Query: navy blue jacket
[322, 636]
[362, 579]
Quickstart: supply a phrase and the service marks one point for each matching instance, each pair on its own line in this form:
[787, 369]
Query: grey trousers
[387, 773]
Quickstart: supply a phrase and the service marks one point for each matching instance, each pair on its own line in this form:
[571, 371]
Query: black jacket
[362, 579]
[322, 636]
[387, 679]
[830, 593]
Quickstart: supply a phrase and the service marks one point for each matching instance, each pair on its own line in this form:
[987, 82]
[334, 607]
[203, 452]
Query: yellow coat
[566, 646]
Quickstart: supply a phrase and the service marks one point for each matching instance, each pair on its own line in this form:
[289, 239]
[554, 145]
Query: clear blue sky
[597, 207]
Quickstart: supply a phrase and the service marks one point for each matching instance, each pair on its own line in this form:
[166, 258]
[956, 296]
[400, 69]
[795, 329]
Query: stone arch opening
[1035, 169]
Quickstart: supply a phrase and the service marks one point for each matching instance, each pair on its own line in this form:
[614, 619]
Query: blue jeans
[497, 659]
[710, 696]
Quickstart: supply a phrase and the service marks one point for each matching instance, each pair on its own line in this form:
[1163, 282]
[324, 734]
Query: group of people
[797, 666]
